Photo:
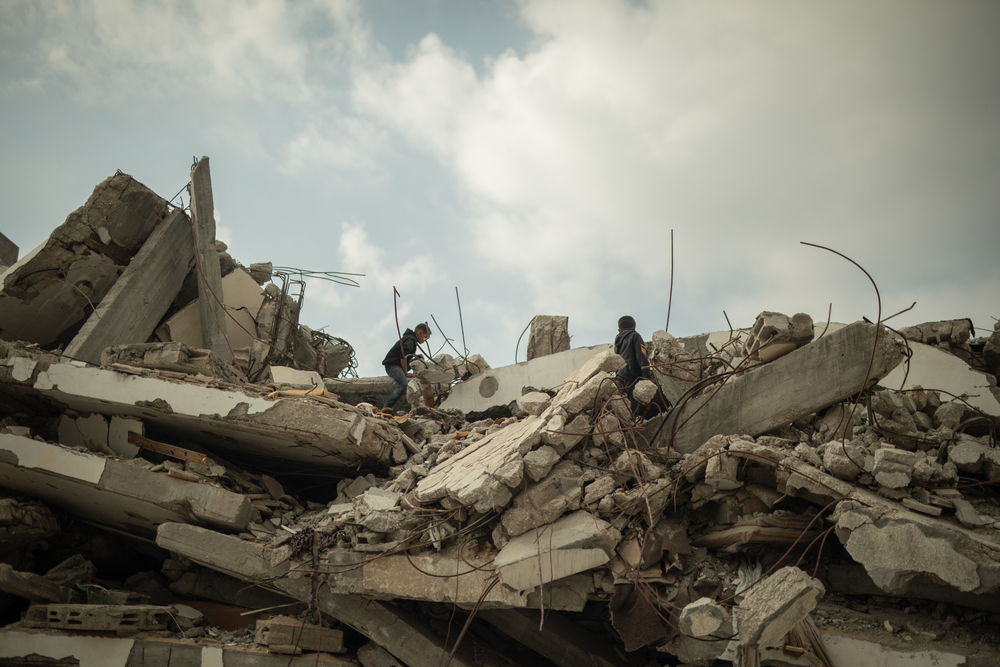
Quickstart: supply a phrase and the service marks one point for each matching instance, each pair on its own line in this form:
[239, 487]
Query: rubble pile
[787, 494]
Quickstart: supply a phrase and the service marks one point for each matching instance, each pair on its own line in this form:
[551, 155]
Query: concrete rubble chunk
[809, 379]
[549, 334]
[534, 402]
[703, 618]
[123, 619]
[468, 477]
[774, 606]
[900, 549]
[575, 543]
[282, 634]
[53, 288]
[538, 462]
[644, 391]
[892, 467]
[545, 501]
[774, 335]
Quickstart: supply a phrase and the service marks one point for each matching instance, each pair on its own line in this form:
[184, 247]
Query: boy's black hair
[626, 322]
[423, 327]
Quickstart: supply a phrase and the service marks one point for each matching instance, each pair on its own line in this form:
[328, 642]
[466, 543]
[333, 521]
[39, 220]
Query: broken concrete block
[469, 476]
[285, 375]
[644, 391]
[123, 619]
[545, 501]
[900, 549]
[534, 402]
[564, 436]
[775, 334]
[635, 464]
[771, 608]
[261, 272]
[702, 618]
[283, 634]
[764, 398]
[575, 543]
[892, 467]
[968, 454]
[538, 462]
[549, 334]
[843, 460]
[675, 368]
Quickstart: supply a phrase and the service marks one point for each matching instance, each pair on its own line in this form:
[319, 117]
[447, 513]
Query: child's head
[626, 322]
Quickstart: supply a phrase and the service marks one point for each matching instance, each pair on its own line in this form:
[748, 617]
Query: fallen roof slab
[804, 381]
[321, 433]
[112, 492]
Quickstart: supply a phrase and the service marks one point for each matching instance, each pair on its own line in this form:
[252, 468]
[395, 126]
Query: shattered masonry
[791, 493]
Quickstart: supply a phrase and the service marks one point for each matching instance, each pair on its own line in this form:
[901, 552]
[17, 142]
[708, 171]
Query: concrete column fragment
[210, 305]
[549, 334]
[140, 297]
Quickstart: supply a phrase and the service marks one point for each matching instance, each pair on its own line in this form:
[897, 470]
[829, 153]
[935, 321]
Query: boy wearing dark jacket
[630, 347]
[397, 359]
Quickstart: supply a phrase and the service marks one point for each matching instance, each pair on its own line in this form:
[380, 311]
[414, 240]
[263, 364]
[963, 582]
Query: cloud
[744, 128]
[115, 50]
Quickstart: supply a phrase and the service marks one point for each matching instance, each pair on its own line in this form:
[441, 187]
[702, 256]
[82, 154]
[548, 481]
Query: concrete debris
[777, 604]
[549, 334]
[295, 524]
[775, 334]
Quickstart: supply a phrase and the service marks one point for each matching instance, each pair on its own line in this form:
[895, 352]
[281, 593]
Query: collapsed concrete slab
[806, 380]
[311, 430]
[775, 605]
[50, 291]
[900, 549]
[142, 294]
[575, 543]
[114, 493]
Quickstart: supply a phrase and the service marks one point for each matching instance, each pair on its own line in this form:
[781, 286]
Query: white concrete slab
[500, 386]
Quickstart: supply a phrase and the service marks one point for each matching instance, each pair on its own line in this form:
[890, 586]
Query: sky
[536, 155]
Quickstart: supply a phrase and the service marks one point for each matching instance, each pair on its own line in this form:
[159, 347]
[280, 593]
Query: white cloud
[745, 128]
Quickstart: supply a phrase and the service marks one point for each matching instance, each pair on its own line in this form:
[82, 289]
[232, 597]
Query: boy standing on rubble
[397, 359]
[630, 347]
